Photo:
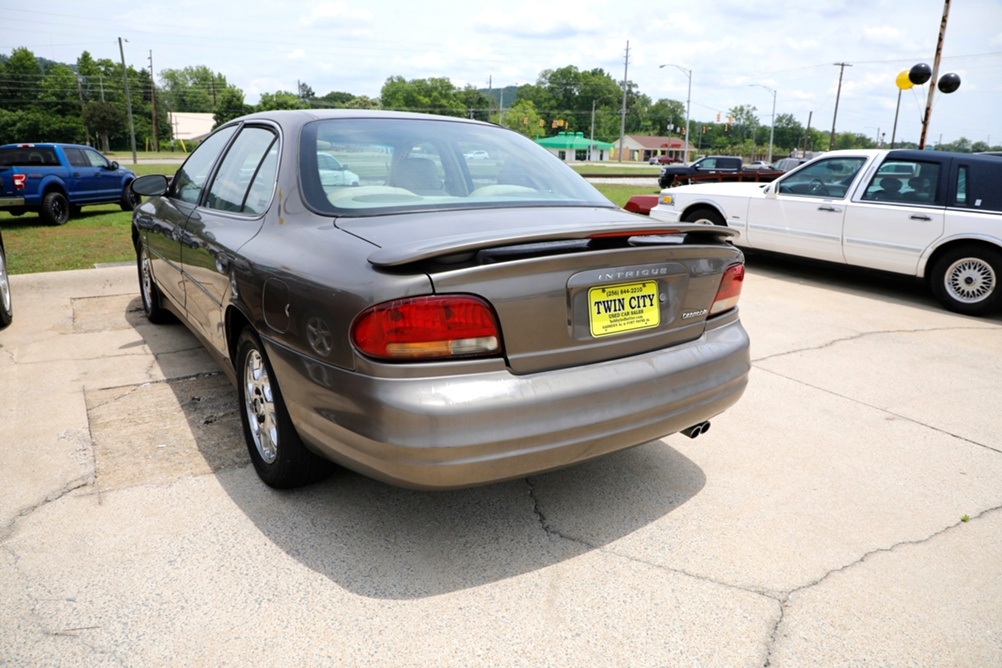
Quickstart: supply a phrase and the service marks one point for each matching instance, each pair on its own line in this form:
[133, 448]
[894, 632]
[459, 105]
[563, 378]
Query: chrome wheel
[6, 307]
[259, 405]
[145, 279]
[970, 280]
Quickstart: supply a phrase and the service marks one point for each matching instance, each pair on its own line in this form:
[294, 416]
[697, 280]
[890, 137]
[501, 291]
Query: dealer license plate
[614, 309]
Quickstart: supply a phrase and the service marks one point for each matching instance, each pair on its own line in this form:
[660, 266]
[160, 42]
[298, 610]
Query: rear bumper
[457, 431]
[6, 202]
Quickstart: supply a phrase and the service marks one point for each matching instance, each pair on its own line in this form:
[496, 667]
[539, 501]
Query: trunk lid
[578, 286]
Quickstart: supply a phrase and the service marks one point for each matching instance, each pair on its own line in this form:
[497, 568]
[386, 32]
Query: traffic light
[718, 116]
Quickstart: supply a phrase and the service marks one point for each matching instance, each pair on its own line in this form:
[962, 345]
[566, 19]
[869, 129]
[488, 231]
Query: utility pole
[153, 99]
[622, 120]
[841, 66]
[808, 144]
[935, 73]
[128, 101]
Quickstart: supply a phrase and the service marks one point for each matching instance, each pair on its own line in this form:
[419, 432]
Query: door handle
[829, 208]
[919, 216]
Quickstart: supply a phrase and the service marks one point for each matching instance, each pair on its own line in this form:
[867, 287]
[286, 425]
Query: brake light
[730, 289]
[428, 328]
[19, 180]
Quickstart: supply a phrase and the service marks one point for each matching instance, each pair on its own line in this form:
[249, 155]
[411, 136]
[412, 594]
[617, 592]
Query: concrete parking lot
[848, 511]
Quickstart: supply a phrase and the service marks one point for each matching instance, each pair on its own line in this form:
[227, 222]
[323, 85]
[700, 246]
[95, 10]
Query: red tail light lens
[428, 328]
[19, 181]
[730, 289]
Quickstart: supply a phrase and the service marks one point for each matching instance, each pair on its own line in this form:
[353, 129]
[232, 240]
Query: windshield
[366, 166]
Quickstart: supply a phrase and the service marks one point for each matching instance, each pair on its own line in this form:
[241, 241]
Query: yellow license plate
[614, 309]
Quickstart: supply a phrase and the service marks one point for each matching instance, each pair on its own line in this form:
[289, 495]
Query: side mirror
[150, 185]
[113, 166]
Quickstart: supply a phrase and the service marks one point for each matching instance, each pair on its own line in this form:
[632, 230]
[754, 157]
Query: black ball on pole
[949, 83]
[919, 74]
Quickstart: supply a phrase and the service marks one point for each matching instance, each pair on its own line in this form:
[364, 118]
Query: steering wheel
[817, 187]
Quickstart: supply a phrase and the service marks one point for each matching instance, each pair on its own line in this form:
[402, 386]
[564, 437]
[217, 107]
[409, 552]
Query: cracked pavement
[848, 511]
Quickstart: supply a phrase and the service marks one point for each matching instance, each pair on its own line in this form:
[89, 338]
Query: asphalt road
[848, 511]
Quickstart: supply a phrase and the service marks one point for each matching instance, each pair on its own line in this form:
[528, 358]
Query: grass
[101, 234]
[97, 235]
[618, 194]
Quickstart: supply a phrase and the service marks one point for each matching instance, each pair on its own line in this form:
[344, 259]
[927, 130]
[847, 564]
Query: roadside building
[641, 148]
[575, 147]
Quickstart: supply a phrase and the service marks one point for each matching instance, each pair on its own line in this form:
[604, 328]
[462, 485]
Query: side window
[263, 187]
[978, 185]
[190, 180]
[962, 186]
[96, 159]
[75, 157]
[904, 181]
[245, 164]
[823, 178]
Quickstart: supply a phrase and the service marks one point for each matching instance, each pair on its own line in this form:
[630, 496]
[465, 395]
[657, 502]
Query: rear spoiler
[392, 256]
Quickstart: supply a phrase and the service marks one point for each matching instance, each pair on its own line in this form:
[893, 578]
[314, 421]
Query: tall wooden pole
[935, 74]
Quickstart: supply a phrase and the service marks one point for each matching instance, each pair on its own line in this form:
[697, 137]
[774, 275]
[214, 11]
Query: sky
[734, 52]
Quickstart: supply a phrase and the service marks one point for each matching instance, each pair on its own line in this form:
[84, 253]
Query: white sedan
[930, 214]
[334, 173]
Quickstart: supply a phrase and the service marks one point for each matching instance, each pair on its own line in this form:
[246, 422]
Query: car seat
[890, 189]
[419, 175]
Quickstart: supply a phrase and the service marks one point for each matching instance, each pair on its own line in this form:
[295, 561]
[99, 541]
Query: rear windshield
[28, 156]
[367, 166]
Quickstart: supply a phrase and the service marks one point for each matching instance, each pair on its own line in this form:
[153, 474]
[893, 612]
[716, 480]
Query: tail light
[730, 289]
[428, 328]
[19, 181]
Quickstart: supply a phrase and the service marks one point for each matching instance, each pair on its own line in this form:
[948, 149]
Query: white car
[334, 173]
[930, 214]
[477, 155]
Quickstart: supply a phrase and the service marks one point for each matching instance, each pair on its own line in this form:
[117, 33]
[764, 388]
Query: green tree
[20, 80]
[193, 89]
[58, 91]
[104, 119]
[333, 100]
[520, 117]
[230, 105]
[362, 102]
[477, 103]
[280, 100]
[436, 95]
[306, 93]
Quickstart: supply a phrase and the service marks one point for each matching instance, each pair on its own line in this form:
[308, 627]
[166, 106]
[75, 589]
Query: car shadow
[848, 279]
[385, 542]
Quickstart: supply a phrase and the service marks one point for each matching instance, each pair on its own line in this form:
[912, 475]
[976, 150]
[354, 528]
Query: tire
[6, 307]
[279, 456]
[966, 279]
[704, 216]
[148, 290]
[129, 200]
[55, 209]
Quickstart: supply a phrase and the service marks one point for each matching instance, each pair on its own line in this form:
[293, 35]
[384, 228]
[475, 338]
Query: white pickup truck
[930, 214]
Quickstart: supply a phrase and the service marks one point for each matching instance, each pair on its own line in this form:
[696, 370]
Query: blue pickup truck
[57, 179]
